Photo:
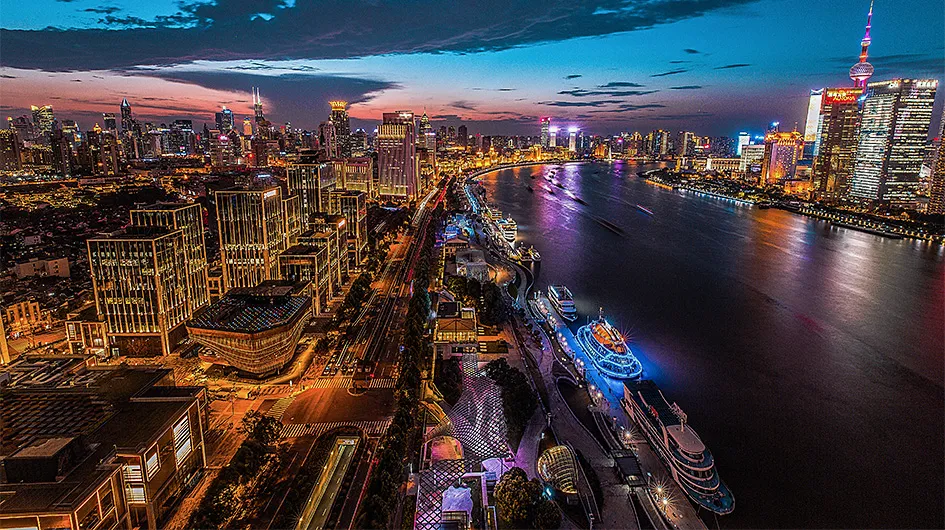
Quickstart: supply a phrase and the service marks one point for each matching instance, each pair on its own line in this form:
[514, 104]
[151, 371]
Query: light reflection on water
[808, 357]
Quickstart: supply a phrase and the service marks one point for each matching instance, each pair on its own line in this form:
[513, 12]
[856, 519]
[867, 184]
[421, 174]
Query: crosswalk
[371, 428]
[278, 408]
[348, 381]
[274, 389]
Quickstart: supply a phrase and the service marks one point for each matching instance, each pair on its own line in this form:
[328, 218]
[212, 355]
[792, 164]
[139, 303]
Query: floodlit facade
[836, 138]
[782, 151]
[254, 329]
[140, 280]
[352, 205]
[558, 466]
[188, 218]
[312, 180]
[894, 126]
[397, 156]
[252, 227]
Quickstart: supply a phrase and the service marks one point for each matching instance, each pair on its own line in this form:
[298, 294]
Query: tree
[513, 499]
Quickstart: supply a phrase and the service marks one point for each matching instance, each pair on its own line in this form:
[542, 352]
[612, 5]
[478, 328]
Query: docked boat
[608, 350]
[508, 228]
[533, 254]
[563, 302]
[689, 461]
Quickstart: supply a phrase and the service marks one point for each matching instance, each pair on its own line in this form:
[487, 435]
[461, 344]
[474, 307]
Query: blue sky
[712, 66]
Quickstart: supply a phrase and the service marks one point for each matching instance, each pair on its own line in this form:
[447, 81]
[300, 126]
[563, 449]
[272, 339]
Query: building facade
[252, 228]
[397, 156]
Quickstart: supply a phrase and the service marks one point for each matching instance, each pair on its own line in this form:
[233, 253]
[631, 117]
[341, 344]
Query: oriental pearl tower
[862, 71]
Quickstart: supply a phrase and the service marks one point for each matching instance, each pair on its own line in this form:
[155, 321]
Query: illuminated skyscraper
[545, 122]
[312, 180]
[836, 140]
[247, 127]
[257, 106]
[937, 191]
[139, 279]
[813, 114]
[339, 117]
[572, 139]
[188, 218]
[224, 120]
[127, 119]
[10, 151]
[743, 140]
[43, 119]
[109, 121]
[782, 151]
[552, 137]
[352, 205]
[861, 72]
[252, 227]
[894, 125]
[397, 156]
[462, 135]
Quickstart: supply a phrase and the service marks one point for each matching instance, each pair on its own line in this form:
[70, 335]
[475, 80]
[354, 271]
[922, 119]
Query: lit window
[131, 472]
[182, 441]
[135, 493]
[152, 464]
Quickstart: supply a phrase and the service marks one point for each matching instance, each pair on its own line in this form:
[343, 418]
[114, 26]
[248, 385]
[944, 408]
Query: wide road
[323, 494]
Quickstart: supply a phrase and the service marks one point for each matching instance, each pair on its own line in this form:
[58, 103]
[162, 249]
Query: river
[808, 357]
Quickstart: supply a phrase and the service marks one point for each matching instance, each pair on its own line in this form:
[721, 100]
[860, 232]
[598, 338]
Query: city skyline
[606, 69]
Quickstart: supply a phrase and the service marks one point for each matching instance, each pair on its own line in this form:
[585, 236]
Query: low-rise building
[471, 263]
[87, 447]
[254, 329]
[58, 267]
[456, 330]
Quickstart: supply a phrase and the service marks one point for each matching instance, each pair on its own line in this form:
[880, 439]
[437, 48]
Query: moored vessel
[608, 350]
[563, 302]
[678, 446]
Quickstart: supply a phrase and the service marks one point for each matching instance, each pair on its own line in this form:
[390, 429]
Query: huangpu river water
[808, 357]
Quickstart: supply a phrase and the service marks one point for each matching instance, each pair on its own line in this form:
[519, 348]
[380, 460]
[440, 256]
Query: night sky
[712, 66]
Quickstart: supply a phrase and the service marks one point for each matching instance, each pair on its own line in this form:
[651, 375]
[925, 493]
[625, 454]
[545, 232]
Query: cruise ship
[608, 350]
[678, 445]
[508, 228]
[563, 302]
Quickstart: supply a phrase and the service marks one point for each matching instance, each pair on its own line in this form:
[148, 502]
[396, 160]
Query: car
[327, 370]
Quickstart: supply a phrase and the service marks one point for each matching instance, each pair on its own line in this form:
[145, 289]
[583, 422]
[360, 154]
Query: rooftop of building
[76, 417]
[166, 206]
[303, 249]
[269, 305]
[136, 233]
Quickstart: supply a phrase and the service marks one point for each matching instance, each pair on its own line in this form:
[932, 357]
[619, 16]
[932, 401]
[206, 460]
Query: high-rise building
[139, 279]
[127, 119]
[188, 218]
[352, 205]
[224, 120]
[782, 151]
[685, 143]
[861, 72]
[43, 119]
[328, 139]
[462, 136]
[552, 137]
[751, 159]
[312, 180]
[247, 127]
[835, 141]
[545, 123]
[572, 139]
[109, 121]
[252, 228]
[397, 156]
[257, 106]
[221, 152]
[743, 140]
[937, 187]
[813, 114]
[10, 151]
[894, 125]
[339, 117]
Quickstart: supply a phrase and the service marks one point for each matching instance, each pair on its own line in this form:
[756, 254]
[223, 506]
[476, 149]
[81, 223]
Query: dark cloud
[671, 72]
[5, 76]
[620, 84]
[679, 62]
[255, 66]
[233, 30]
[690, 50]
[103, 10]
[581, 93]
[729, 66]
[686, 87]
[462, 104]
[294, 97]
[689, 116]
[595, 103]
[573, 76]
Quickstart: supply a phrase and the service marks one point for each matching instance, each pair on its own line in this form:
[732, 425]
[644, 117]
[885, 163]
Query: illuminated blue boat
[608, 350]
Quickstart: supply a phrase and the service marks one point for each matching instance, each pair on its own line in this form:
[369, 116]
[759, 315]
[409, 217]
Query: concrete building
[87, 447]
[352, 205]
[252, 227]
[139, 279]
[254, 329]
[397, 156]
[58, 267]
[782, 151]
[188, 218]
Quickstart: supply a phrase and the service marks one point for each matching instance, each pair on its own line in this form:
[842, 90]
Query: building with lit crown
[782, 151]
[836, 138]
